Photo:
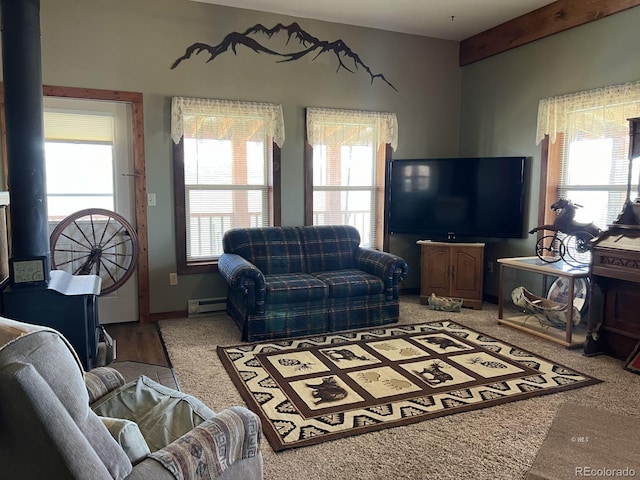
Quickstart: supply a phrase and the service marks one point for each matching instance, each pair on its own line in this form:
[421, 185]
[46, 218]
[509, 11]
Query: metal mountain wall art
[309, 45]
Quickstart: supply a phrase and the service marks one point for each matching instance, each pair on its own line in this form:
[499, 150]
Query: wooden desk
[524, 322]
[614, 322]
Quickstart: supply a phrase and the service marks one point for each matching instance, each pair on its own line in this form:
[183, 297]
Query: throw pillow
[129, 437]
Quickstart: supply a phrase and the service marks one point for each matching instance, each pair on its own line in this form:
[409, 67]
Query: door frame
[139, 165]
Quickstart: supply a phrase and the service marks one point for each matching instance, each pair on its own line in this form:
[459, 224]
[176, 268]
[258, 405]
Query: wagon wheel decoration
[98, 242]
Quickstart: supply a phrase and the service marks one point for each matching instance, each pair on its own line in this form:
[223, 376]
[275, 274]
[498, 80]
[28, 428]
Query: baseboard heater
[207, 306]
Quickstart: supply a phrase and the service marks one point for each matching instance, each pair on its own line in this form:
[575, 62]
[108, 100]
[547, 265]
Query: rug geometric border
[309, 390]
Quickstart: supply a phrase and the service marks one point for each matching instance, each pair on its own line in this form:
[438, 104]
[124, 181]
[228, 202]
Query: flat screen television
[454, 198]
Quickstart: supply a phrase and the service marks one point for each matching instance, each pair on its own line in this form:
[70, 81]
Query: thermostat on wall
[29, 271]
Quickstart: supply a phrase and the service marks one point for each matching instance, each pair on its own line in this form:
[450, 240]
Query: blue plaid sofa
[293, 281]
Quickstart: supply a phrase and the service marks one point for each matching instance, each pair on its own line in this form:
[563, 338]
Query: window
[588, 151]
[79, 138]
[346, 158]
[226, 165]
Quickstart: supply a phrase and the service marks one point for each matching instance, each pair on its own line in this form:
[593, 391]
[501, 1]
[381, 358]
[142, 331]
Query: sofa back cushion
[330, 247]
[274, 250]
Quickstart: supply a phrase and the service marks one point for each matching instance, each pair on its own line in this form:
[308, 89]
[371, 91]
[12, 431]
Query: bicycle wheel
[549, 249]
[576, 251]
[98, 242]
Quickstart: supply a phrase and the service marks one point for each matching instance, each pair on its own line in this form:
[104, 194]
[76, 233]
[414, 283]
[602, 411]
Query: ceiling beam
[548, 20]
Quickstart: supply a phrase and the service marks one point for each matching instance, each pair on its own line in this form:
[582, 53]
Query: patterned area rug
[310, 390]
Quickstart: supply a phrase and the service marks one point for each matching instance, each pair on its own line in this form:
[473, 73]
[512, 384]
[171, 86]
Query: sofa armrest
[240, 274]
[102, 380]
[212, 447]
[391, 268]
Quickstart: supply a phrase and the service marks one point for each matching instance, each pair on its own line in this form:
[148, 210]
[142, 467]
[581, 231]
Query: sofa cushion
[162, 413]
[273, 250]
[129, 437]
[102, 380]
[350, 283]
[330, 247]
[212, 448]
[294, 288]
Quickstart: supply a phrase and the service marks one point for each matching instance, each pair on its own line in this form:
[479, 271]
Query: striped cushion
[293, 288]
[273, 250]
[213, 446]
[350, 283]
[330, 247]
[102, 380]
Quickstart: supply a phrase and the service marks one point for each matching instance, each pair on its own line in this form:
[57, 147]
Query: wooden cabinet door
[450, 270]
[435, 268]
[466, 272]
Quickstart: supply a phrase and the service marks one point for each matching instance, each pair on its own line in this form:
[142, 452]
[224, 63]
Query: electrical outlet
[490, 267]
[173, 278]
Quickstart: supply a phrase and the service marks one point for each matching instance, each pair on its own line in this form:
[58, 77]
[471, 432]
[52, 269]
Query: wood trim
[552, 184]
[544, 174]
[92, 94]
[135, 99]
[140, 185]
[3, 132]
[550, 159]
[5, 175]
[385, 196]
[543, 22]
[179, 208]
[276, 201]
[308, 177]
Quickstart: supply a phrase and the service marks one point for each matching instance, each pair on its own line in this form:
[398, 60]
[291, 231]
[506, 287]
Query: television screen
[448, 198]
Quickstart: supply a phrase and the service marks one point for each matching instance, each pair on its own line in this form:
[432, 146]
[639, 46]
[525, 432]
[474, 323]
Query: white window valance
[351, 127]
[590, 110]
[270, 114]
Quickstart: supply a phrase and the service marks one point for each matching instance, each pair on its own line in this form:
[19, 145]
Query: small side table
[559, 269]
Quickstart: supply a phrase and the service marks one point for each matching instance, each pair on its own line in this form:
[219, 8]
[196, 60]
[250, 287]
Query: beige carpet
[498, 443]
[589, 442]
[311, 390]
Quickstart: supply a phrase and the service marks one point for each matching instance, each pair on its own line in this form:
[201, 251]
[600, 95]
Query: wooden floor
[139, 351]
[138, 342]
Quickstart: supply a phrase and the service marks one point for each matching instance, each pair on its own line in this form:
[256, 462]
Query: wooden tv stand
[451, 269]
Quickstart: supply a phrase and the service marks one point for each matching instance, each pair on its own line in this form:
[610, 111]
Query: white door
[89, 160]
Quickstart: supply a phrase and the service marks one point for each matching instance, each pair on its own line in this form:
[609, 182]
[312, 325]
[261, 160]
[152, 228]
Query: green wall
[130, 45]
[486, 108]
[500, 96]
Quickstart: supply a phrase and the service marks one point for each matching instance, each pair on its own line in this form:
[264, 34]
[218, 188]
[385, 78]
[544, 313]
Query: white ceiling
[446, 19]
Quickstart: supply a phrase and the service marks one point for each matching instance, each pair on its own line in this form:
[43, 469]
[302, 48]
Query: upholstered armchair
[56, 422]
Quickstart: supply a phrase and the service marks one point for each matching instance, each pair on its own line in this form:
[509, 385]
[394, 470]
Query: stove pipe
[22, 70]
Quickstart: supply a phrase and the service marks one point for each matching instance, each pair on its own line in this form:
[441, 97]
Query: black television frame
[519, 164]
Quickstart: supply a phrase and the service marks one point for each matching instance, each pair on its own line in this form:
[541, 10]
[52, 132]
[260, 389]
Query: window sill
[193, 268]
